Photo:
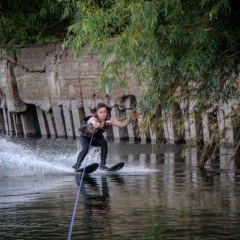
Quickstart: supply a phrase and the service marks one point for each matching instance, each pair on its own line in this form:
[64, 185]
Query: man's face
[102, 113]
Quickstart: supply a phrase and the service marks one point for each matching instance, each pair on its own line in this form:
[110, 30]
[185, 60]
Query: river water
[157, 195]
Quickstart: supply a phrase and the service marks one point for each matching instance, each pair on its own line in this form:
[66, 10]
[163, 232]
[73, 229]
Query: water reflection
[97, 207]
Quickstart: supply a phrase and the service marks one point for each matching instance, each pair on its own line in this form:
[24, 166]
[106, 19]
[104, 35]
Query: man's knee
[104, 143]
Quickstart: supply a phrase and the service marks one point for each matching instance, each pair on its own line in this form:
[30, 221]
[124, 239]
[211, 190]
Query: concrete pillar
[168, 129]
[171, 129]
[206, 132]
[229, 137]
[187, 133]
[11, 128]
[116, 132]
[192, 125]
[130, 130]
[43, 123]
[177, 129]
[210, 119]
[225, 124]
[51, 125]
[141, 135]
[185, 111]
[58, 119]
[77, 115]
[6, 121]
[18, 125]
[67, 115]
[197, 128]
[153, 136]
[119, 133]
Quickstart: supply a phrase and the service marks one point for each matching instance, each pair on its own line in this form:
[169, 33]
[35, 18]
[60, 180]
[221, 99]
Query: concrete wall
[45, 92]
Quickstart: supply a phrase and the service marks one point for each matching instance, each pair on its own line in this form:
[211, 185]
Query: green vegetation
[182, 50]
[28, 22]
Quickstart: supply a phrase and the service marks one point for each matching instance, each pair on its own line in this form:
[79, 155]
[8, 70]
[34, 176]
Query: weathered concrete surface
[44, 91]
[61, 91]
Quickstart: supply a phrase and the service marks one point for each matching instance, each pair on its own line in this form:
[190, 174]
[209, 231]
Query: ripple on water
[155, 196]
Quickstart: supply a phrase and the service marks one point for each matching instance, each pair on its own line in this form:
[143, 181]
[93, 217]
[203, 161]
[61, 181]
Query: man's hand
[135, 116]
[95, 124]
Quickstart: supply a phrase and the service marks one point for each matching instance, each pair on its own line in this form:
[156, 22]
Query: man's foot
[103, 167]
[76, 166]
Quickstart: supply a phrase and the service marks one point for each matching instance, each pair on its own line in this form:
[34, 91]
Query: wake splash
[51, 157]
[17, 160]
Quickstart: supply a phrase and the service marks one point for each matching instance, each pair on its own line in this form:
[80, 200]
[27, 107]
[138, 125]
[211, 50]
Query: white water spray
[17, 160]
[53, 157]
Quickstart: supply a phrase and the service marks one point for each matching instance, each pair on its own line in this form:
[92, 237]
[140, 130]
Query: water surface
[157, 195]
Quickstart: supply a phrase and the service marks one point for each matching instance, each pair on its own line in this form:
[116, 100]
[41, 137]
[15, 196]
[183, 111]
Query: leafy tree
[31, 22]
[182, 50]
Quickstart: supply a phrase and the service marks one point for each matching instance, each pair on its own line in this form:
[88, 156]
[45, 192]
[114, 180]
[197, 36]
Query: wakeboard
[116, 167]
[89, 169]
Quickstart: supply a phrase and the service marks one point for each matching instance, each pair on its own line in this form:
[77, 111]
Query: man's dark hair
[101, 105]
